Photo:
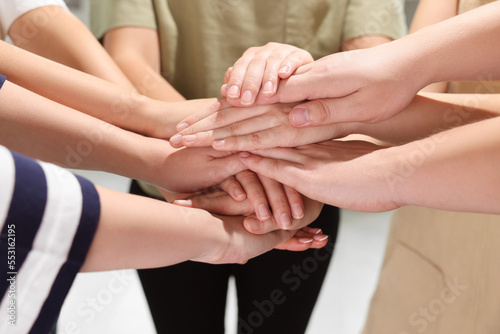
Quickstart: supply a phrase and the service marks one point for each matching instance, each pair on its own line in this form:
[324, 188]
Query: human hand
[250, 194]
[220, 202]
[258, 127]
[366, 85]
[261, 68]
[193, 169]
[161, 118]
[346, 174]
[239, 245]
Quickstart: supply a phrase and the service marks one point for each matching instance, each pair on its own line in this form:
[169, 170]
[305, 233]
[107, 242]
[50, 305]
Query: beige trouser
[441, 274]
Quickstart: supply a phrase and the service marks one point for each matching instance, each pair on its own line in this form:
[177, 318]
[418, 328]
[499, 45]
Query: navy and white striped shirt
[48, 218]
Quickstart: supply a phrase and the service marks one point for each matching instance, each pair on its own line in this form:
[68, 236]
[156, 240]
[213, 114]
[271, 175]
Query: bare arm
[63, 38]
[137, 53]
[430, 12]
[46, 130]
[138, 232]
[453, 170]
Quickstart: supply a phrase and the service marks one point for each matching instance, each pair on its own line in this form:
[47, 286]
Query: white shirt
[10, 10]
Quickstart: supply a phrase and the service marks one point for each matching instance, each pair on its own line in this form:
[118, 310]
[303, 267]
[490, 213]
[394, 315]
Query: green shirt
[200, 39]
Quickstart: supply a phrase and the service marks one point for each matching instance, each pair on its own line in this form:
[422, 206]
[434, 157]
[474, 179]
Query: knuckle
[256, 139]
[234, 129]
[322, 110]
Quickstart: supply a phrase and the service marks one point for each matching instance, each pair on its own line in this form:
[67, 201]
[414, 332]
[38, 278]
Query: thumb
[328, 111]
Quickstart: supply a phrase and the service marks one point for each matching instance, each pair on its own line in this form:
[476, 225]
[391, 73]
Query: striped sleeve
[48, 218]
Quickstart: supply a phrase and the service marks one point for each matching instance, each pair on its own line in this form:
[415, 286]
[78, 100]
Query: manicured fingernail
[284, 69]
[313, 230]
[182, 126]
[297, 211]
[247, 98]
[244, 155]
[239, 193]
[184, 202]
[305, 240]
[176, 139]
[233, 92]
[268, 88]
[300, 116]
[253, 224]
[263, 212]
[320, 237]
[219, 143]
[286, 222]
[190, 138]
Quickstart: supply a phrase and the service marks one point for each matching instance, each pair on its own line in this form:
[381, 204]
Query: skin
[155, 227]
[115, 99]
[441, 171]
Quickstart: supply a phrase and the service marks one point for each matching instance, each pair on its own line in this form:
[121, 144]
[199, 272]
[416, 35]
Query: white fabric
[50, 248]
[10, 10]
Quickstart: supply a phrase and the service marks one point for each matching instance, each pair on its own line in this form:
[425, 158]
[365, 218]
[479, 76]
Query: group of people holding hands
[317, 113]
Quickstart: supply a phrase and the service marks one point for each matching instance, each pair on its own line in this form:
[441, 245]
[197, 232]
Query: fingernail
[176, 139]
[190, 138]
[244, 155]
[268, 88]
[284, 69]
[219, 143]
[223, 89]
[182, 126]
[297, 211]
[233, 92]
[300, 116]
[320, 237]
[247, 98]
[305, 240]
[313, 230]
[253, 224]
[184, 202]
[263, 212]
[239, 193]
[286, 222]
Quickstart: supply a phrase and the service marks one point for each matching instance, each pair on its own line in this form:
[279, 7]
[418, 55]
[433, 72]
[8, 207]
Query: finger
[219, 170]
[303, 241]
[278, 201]
[227, 75]
[270, 78]
[285, 172]
[295, 202]
[293, 61]
[253, 79]
[330, 111]
[202, 114]
[231, 115]
[238, 75]
[255, 194]
[233, 188]
[221, 204]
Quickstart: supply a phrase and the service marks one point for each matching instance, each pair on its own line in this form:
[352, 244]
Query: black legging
[276, 291]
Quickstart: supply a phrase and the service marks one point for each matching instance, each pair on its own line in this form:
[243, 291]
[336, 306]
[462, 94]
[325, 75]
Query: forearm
[431, 113]
[449, 50]
[75, 89]
[63, 38]
[43, 129]
[137, 53]
[453, 170]
[164, 233]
